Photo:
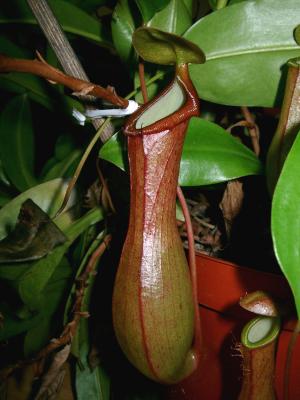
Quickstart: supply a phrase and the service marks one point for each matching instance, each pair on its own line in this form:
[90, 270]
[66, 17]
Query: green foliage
[246, 45]
[286, 220]
[244, 65]
[210, 155]
[149, 8]
[17, 142]
[72, 19]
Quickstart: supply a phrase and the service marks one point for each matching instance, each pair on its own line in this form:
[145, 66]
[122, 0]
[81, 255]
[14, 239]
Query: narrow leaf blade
[17, 142]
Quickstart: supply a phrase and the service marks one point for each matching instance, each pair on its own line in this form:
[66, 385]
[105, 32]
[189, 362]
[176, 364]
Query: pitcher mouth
[174, 105]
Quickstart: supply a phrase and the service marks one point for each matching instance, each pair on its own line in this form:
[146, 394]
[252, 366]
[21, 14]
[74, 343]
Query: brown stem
[253, 130]
[70, 329]
[142, 81]
[105, 187]
[44, 70]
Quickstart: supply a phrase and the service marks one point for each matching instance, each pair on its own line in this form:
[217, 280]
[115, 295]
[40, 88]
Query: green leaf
[64, 168]
[285, 221]
[246, 46]
[34, 236]
[176, 17]
[32, 282]
[17, 142]
[115, 151]
[210, 155]
[165, 48]
[218, 4]
[48, 196]
[12, 325]
[297, 34]
[53, 296]
[71, 18]
[149, 8]
[89, 5]
[122, 28]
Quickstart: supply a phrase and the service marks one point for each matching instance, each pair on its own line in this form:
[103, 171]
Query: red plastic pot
[221, 284]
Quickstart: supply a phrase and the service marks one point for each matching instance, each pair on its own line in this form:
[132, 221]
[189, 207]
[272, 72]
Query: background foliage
[246, 45]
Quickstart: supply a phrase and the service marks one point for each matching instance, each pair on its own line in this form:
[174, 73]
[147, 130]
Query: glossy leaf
[17, 142]
[210, 155]
[48, 196]
[165, 48]
[246, 46]
[72, 19]
[176, 17]
[122, 28]
[286, 220]
[218, 4]
[149, 8]
[34, 236]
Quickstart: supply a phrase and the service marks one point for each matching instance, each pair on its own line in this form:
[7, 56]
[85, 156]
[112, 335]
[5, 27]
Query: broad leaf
[218, 4]
[32, 282]
[165, 48]
[53, 296]
[286, 220]
[122, 28]
[17, 142]
[176, 17]
[72, 19]
[246, 46]
[34, 236]
[48, 196]
[149, 8]
[210, 155]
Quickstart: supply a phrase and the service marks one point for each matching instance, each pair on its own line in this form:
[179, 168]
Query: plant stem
[62, 48]
[221, 4]
[253, 130]
[142, 81]
[44, 70]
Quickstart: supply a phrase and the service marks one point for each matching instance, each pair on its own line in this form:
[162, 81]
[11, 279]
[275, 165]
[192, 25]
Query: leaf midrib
[216, 56]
